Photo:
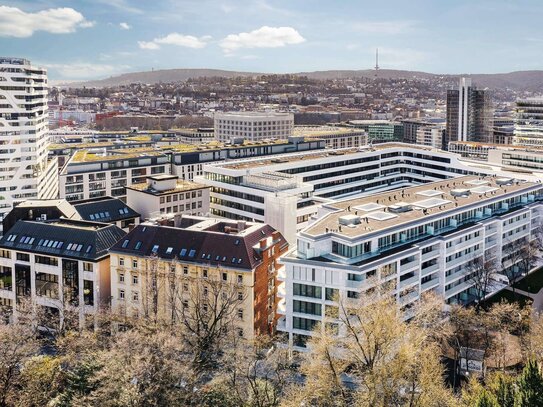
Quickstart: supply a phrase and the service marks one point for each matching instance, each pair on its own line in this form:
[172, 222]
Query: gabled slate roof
[232, 250]
[63, 238]
[104, 209]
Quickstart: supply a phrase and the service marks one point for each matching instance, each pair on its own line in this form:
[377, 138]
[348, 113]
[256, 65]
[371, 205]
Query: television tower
[376, 61]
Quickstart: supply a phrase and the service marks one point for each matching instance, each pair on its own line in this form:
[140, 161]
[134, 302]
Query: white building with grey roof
[425, 238]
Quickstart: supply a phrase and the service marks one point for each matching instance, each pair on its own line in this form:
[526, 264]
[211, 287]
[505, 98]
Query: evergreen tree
[530, 386]
[505, 392]
[486, 400]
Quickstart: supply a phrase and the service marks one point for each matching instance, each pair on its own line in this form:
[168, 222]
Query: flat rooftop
[312, 155]
[317, 131]
[180, 186]
[383, 210]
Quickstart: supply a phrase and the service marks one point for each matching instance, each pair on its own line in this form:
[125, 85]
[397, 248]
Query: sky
[88, 39]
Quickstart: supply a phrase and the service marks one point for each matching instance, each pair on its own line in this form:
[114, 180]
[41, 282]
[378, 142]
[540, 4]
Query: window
[121, 294]
[134, 279]
[185, 303]
[331, 293]
[87, 266]
[23, 257]
[121, 261]
[169, 250]
[240, 279]
[305, 290]
[183, 252]
[138, 246]
[192, 253]
[135, 296]
[240, 332]
[303, 323]
[121, 277]
[240, 314]
[204, 273]
[305, 307]
[185, 270]
[224, 276]
[134, 264]
[50, 261]
[185, 287]
[125, 243]
[240, 296]
[155, 248]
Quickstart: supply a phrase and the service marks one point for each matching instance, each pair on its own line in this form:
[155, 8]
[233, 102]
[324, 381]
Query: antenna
[377, 59]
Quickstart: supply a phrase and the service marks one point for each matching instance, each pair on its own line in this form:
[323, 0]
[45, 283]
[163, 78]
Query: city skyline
[78, 40]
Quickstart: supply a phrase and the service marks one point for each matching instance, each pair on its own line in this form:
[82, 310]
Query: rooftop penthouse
[392, 209]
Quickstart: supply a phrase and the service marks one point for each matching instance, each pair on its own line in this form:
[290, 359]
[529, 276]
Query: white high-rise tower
[25, 170]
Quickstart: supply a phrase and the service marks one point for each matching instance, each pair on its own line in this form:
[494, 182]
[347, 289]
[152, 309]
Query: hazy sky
[80, 39]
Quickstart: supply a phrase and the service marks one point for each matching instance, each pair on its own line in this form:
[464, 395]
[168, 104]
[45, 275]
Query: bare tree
[480, 274]
[208, 316]
[520, 256]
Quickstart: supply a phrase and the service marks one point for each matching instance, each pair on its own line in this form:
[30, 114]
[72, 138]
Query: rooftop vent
[349, 220]
[483, 189]
[430, 193]
[431, 203]
[460, 192]
[279, 160]
[400, 207]
[369, 207]
[504, 181]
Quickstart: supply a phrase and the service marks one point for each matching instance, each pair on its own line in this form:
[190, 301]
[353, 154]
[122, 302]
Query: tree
[486, 400]
[377, 360]
[480, 274]
[17, 345]
[520, 256]
[530, 386]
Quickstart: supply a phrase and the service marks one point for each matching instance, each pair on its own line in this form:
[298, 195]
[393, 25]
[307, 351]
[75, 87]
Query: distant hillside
[514, 80]
[163, 75]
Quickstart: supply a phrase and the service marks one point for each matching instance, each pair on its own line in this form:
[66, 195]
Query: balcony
[429, 255]
[409, 281]
[428, 270]
[429, 284]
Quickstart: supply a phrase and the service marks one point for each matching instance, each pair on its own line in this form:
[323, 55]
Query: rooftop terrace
[364, 215]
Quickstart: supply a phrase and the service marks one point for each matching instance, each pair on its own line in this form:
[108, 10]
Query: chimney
[263, 243]
[241, 225]
[131, 227]
[276, 235]
[227, 230]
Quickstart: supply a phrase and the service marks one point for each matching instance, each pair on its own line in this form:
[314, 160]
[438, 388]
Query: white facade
[247, 189]
[254, 126]
[168, 194]
[431, 136]
[26, 171]
[408, 253]
[84, 177]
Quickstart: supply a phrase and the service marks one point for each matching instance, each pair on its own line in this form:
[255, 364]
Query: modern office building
[334, 136]
[529, 122]
[411, 127]
[431, 136]
[469, 114]
[104, 171]
[253, 126]
[98, 173]
[408, 241]
[285, 191]
[57, 265]
[183, 254]
[168, 194]
[27, 172]
[380, 131]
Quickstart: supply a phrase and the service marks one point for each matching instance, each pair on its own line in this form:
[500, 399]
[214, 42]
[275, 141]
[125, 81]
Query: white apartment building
[408, 241]
[163, 194]
[57, 265]
[431, 136]
[285, 191]
[254, 126]
[27, 173]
